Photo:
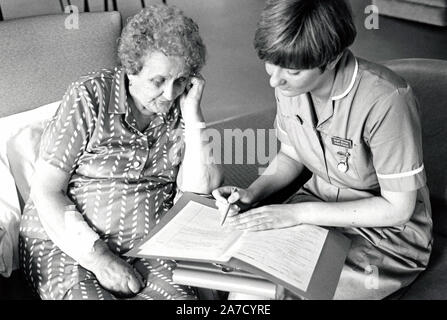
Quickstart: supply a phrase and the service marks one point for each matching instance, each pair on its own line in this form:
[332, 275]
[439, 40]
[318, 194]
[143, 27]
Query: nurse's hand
[237, 198]
[266, 217]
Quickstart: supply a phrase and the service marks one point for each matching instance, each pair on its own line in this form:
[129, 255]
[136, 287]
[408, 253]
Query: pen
[228, 207]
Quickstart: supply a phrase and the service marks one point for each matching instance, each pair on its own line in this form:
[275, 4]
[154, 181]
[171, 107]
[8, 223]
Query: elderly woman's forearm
[199, 172]
[200, 177]
[51, 209]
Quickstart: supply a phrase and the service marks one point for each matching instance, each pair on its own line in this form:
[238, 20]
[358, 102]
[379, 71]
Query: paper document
[289, 254]
[275, 251]
[194, 233]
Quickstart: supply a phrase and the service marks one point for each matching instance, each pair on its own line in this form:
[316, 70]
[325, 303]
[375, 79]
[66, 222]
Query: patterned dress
[122, 182]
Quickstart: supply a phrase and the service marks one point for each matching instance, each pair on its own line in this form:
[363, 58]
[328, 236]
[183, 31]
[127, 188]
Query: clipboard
[324, 278]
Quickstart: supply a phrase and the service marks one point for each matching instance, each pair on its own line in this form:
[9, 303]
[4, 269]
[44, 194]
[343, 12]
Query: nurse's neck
[323, 86]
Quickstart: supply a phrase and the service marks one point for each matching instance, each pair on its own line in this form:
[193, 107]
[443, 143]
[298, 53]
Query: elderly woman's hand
[115, 274]
[190, 101]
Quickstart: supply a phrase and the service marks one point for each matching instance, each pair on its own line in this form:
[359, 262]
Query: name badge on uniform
[345, 143]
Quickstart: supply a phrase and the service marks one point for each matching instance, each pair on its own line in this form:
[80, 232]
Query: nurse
[355, 125]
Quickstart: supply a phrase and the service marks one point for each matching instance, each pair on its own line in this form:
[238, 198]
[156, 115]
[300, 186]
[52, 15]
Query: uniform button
[136, 164]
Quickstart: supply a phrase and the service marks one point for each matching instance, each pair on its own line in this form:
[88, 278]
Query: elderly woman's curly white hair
[161, 28]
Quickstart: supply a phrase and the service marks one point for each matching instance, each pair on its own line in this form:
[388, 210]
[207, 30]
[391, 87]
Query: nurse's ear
[331, 65]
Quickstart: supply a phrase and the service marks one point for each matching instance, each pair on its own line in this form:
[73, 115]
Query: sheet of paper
[289, 254]
[183, 236]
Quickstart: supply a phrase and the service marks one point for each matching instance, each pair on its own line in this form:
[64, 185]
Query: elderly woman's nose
[169, 91]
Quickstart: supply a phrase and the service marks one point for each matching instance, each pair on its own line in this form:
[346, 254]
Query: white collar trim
[354, 76]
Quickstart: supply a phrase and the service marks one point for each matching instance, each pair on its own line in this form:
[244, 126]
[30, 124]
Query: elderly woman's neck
[142, 120]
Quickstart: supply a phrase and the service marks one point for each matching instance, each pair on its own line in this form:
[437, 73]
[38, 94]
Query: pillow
[19, 144]
[9, 217]
[22, 151]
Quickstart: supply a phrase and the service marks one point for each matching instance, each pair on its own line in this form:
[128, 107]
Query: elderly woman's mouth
[164, 104]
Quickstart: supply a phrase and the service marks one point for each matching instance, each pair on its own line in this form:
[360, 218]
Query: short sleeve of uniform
[396, 142]
[279, 125]
[66, 136]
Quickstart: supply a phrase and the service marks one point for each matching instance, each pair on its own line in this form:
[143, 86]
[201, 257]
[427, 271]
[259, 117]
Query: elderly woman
[355, 125]
[112, 161]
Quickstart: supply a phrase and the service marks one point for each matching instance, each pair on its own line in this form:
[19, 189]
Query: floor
[236, 81]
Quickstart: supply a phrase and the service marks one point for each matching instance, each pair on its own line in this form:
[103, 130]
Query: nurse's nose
[275, 79]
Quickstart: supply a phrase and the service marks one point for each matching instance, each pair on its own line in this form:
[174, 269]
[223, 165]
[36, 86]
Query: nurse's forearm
[199, 171]
[370, 212]
[279, 174]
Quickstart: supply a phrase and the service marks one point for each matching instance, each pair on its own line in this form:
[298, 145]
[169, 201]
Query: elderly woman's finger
[134, 284]
[199, 80]
[140, 278]
[197, 75]
[197, 88]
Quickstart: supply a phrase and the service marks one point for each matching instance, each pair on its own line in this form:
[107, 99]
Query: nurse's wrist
[251, 196]
[302, 212]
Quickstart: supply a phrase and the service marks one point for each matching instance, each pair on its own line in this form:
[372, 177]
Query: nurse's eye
[294, 72]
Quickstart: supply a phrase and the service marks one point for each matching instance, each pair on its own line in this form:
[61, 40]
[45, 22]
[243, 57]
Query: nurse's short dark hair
[304, 34]
[162, 28]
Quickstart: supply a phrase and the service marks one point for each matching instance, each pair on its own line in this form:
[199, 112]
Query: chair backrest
[129, 8]
[428, 78]
[13, 9]
[40, 56]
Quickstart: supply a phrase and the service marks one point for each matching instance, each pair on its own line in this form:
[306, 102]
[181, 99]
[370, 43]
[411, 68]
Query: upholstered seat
[39, 58]
[428, 79]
